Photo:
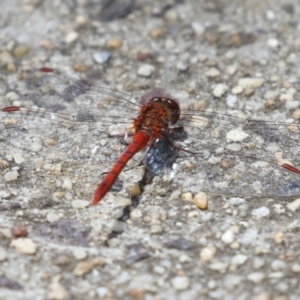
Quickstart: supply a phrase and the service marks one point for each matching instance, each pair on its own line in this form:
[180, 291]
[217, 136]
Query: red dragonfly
[232, 155]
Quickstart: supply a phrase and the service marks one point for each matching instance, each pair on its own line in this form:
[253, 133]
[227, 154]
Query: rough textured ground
[169, 249]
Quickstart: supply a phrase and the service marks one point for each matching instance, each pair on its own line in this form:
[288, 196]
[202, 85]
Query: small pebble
[71, 37]
[135, 191]
[187, 197]
[85, 267]
[228, 237]
[278, 208]
[191, 87]
[56, 290]
[11, 176]
[136, 214]
[296, 114]
[6, 58]
[19, 231]
[159, 270]
[260, 212]
[258, 263]
[279, 238]
[18, 158]
[11, 96]
[278, 265]
[146, 70]
[231, 100]
[62, 260]
[114, 43]
[291, 104]
[273, 43]
[155, 229]
[182, 65]
[24, 246]
[239, 259]
[180, 283]
[198, 28]
[295, 205]
[218, 266]
[80, 204]
[271, 95]
[200, 200]
[237, 90]
[296, 268]
[256, 277]
[213, 72]
[292, 59]
[79, 253]
[207, 253]
[249, 82]
[101, 57]
[236, 135]
[156, 33]
[53, 217]
[220, 89]
[21, 50]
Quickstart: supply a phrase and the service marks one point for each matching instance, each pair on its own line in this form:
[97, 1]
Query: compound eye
[174, 109]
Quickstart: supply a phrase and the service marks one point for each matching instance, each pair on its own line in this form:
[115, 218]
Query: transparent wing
[243, 157]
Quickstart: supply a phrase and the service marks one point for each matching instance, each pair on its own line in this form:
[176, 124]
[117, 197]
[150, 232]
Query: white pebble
[234, 201]
[271, 95]
[180, 283]
[136, 214]
[18, 158]
[278, 208]
[278, 265]
[239, 259]
[159, 270]
[273, 43]
[52, 217]
[256, 277]
[236, 135]
[67, 183]
[250, 82]
[213, 72]
[258, 263]
[71, 37]
[231, 100]
[24, 245]
[220, 89]
[198, 28]
[101, 57]
[260, 212]
[145, 70]
[237, 90]
[208, 253]
[80, 204]
[79, 253]
[182, 65]
[295, 205]
[218, 266]
[11, 176]
[296, 268]
[292, 105]
[155, 229]
[11, 96]
[228, 237]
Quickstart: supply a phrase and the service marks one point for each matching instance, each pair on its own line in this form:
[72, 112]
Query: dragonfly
[229, 155]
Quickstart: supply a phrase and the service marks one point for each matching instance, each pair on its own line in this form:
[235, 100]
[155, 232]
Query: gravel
[179, 242]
